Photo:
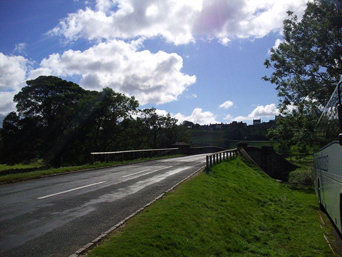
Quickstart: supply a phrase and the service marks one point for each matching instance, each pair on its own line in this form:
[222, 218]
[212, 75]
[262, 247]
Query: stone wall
[269, 161]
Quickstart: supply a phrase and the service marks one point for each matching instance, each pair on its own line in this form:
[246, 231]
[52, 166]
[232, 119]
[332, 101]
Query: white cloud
[151, 77]
[265, 111]
[6, 102]
[228, 117]
[178, 21]
[162, 112]
[20, 48]
[226, 105]
[170, 19]
[13, 70]
[197, 116]
[260, 111]
[276, 45]
[224, 41]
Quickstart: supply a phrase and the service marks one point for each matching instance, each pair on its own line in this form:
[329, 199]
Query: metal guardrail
[218, 157]
[121, 153]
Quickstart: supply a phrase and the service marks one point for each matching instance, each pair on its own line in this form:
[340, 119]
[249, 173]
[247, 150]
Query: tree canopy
[61, 123]
[307, 64]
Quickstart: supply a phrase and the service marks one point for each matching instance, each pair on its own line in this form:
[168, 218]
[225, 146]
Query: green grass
[236, 210]
[4, 167]
[11, 178]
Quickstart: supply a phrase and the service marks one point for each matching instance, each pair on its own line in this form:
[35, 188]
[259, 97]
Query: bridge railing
[218, 157]
[106, 156]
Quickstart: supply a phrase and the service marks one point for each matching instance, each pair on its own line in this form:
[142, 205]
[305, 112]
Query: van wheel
[321, 207]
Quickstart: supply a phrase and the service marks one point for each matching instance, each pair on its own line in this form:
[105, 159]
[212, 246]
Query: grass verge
[236, 210]
[15, 177]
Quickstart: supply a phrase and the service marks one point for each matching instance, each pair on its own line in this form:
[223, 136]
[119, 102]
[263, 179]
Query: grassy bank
[236, 210]
[21, 176]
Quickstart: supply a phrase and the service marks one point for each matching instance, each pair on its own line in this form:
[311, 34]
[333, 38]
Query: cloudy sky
[201, 61]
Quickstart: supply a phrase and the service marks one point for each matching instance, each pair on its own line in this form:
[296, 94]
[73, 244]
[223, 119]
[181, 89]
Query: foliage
[61, 123]
[306, 65]
[236, 210]
[304, 174]
[302, 177]
[297, 128]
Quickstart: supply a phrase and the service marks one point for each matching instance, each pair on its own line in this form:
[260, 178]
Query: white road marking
[152, 171]
[129, 175]
[135, 173]
[201, 158]
[70, 190]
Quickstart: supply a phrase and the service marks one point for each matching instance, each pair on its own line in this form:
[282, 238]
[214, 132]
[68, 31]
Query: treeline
[61, 123]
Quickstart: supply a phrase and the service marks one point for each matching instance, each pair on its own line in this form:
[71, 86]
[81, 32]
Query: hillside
[207, 138]
[236, 210]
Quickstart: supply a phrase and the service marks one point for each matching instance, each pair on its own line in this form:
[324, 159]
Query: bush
[302, 176]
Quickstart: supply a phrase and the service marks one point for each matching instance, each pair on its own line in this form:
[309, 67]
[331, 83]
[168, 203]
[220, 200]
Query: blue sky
[201, 61]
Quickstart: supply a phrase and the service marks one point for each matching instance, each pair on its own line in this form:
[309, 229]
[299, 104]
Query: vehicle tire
[321, 207]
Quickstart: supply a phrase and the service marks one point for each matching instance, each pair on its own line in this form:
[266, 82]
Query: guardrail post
[207, 161]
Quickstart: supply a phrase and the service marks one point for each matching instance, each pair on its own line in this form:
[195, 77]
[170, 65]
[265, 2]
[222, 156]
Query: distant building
[257, 122]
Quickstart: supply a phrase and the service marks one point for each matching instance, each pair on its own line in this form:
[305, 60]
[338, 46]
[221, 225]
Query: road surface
[55, 216]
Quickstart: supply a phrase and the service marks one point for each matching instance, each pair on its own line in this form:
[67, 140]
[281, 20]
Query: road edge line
[97, 240]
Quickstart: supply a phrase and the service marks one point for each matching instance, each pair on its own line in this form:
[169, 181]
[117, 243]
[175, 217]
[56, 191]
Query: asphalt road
[55, 216]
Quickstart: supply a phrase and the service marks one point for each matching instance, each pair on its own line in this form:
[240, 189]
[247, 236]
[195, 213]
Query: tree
[307, 66]
[297, 128]
[18, 139]
[308, 63]
[60, 122]
[161, 131]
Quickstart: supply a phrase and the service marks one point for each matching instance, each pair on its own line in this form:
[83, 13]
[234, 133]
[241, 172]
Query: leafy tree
[161, 131]
[297, 128]
[62, 123]
[307, 65]
[51, 103]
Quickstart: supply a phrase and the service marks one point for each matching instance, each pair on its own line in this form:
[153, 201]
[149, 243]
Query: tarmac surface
[56, 216]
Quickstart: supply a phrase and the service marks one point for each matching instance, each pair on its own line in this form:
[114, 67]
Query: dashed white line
[70, 190]
[151, 171]
[135, 173]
